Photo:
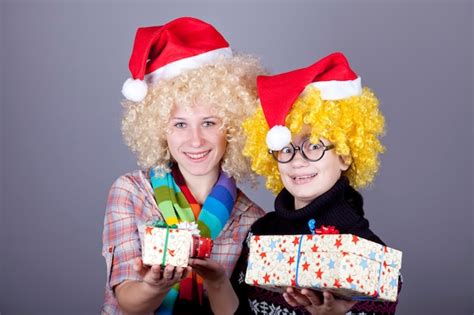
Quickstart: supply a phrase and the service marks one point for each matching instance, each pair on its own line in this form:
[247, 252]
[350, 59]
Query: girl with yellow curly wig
[184, 106]
[315, 139]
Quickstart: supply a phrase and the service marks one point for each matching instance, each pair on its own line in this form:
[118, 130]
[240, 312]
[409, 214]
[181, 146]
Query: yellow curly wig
[353, 125]
[227, 86]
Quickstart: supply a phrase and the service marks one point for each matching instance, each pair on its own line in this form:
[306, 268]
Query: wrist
[216, 284]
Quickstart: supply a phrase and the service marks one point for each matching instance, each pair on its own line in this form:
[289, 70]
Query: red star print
[148, 230]
[266, 278]
[291, 260]
[256, 238]
[305, 266]
[263, 255]
[309, 237]
[337, 284]
[385, 264]
[255, 282]
[381, 289]
[319, 274]
[293, 283]
[338, 243]
[314, 248]
[296, 241]
[344, 254]
[355, 239]
[349, 279]
[171, 251]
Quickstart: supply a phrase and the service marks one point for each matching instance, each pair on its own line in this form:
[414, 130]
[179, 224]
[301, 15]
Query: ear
[345, 162]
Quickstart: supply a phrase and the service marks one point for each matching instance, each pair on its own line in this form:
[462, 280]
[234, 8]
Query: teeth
[198, 155]
[303, 177]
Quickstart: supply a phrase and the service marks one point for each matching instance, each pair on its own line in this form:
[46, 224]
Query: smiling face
[196, 140]
[307, 180]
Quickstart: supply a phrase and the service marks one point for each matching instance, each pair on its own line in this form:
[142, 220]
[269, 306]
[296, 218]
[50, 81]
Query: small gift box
[173, 245]
[344, 264]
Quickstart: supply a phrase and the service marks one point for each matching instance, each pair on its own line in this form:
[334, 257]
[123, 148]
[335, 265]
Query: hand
[158, 277]
[317, 302]
[210, 270]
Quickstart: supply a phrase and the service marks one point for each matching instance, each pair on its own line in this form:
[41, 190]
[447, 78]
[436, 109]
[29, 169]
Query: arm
[136, 288]
[138, 297]
[238, 282]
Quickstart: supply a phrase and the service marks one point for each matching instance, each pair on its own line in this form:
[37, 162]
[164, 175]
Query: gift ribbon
[162, 224]
[332, 230]
[298, 259]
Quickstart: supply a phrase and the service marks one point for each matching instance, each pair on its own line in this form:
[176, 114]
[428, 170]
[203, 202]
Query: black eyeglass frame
[299, 148]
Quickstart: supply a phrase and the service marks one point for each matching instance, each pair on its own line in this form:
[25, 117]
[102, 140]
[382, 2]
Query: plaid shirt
[130, 205]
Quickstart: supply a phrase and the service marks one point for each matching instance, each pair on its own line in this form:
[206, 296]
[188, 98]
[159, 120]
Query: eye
[315, 146]
[180, 125]
[208, 123]
[286, 150]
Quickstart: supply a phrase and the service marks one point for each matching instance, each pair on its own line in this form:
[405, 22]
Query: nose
[196, 137]
[298, 160]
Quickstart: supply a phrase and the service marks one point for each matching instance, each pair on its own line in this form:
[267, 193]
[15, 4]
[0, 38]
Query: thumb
[139, 267]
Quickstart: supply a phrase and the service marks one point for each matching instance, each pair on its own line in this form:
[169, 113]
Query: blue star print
[331, 264]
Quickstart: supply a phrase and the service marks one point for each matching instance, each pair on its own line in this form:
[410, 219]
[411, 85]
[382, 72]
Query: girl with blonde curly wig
[314, 138]
[183, 110]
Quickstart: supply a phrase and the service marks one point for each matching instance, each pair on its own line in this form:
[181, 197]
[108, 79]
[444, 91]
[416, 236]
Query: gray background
[62, 67]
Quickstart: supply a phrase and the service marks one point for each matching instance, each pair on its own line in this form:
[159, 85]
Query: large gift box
[164, 245]
[344, 264]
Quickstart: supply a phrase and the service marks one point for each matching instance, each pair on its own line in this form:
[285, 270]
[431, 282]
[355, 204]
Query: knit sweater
[341, 207]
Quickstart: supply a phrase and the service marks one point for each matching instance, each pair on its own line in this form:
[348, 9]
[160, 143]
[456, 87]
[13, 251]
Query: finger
[153, 275]
[168, 272]
[328, 299]
[178, 273]
[314, 297]
[186, 272]
[301, 299]
[203, 263]
[290, 300]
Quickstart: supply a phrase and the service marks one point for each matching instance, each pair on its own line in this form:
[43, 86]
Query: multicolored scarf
[177, 204]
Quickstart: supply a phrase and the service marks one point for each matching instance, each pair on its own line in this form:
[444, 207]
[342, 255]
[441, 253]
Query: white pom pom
[278, 137]
[134, 90]
[191, 226]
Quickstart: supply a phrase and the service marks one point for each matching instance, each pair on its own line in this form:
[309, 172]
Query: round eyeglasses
[310, 151]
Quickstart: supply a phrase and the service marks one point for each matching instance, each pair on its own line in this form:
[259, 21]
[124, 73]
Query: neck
[200, 185]
[300, 204]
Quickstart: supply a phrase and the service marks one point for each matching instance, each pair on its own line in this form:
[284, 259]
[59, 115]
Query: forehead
[302, 134]
[190, 111]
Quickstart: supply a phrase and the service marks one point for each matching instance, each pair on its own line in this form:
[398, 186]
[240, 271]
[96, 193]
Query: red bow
[327, 230]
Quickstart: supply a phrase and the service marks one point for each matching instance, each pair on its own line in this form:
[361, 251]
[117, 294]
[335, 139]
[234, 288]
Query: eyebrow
[204, 118]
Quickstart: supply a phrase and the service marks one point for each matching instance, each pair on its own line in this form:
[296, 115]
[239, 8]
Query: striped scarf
[177, 204]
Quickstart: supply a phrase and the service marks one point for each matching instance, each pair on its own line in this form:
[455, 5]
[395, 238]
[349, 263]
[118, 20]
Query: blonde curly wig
[354, 125]
[227, 86]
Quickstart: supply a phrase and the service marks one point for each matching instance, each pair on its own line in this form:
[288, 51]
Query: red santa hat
[166, 51]
[331, 75]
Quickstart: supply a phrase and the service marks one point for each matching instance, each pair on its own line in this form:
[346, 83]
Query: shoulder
[133, 186]
[261, 225]
[246, 207]
[131, 180]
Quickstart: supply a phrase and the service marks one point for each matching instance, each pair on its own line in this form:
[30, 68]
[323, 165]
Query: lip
[197, 156]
